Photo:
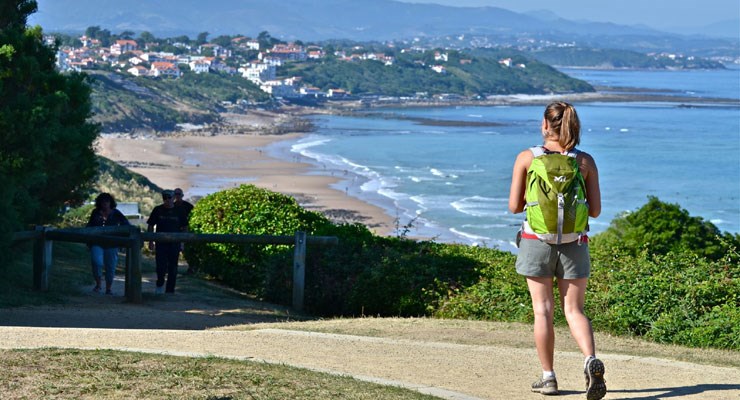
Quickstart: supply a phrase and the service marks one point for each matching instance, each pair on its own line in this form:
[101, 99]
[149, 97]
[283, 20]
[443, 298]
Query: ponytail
[564, 123]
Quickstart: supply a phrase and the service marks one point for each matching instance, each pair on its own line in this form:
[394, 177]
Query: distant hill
[360, 20]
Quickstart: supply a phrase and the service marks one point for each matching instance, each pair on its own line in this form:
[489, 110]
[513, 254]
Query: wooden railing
[131, 238]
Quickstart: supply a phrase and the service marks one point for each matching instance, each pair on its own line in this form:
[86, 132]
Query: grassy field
[76, 374]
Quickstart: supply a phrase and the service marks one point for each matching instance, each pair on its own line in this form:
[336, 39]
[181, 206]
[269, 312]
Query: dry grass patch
[78, 374]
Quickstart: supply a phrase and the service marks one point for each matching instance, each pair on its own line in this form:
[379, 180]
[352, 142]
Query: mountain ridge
[309, 20]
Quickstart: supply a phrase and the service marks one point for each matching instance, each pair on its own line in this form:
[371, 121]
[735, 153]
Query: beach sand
[205, 164]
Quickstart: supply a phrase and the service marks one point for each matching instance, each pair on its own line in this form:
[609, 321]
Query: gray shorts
[565, 261]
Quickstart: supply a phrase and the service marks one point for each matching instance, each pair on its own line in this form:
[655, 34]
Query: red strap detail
[525, 235]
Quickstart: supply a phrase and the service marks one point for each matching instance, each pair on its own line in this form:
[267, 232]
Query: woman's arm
[593, 191]
[91, 221]
[519, 181]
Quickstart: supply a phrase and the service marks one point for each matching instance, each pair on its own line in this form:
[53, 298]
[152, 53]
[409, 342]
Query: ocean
[450, 181]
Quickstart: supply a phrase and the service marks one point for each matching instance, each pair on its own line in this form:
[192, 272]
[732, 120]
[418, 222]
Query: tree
[264, 39]
[202, 38]
[46, 155]
[92, 31]
[147, 37]
[223, 40]
[95, 32]
[663, 227]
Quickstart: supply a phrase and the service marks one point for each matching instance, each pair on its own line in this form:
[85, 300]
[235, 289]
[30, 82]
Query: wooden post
[133, 277]
[299, 270]
[41, 260]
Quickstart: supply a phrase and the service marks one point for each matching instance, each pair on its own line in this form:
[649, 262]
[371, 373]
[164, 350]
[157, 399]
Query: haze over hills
[360, 20]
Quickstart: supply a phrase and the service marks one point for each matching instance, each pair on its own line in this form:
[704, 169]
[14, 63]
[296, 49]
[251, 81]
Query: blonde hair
[563, 124]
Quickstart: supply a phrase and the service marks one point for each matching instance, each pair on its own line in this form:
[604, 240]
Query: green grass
[66, 275]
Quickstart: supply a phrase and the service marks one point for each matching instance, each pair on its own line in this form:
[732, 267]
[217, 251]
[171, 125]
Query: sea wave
[470, 236]
[479, 206]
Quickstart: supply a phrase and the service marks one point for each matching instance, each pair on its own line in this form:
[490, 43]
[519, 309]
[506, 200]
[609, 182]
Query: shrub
[76, 217]
[679, 298]
[660, 228]
[244, 210]
[371, 275]
[500, 294]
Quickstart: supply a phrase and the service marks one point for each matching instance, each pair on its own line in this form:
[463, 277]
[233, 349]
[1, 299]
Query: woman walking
[105, 214]
[553, 240]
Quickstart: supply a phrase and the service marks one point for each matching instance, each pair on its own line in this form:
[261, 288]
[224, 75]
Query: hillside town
[259, 67]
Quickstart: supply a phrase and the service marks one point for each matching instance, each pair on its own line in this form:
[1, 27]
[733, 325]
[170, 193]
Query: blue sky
[654, 13]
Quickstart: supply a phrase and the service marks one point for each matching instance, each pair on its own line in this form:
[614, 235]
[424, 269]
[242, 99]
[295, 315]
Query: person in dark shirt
[185, 207]
[105, 214]
[166, 218]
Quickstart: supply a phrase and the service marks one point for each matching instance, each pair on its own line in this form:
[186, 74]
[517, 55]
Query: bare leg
[540, 289]
[572, 296]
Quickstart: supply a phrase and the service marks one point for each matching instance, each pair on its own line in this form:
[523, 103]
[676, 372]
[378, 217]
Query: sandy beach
[201, 165]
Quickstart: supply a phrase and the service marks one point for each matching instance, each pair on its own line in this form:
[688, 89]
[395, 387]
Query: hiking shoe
[547, 386]
[96, 289]
[595, 383]
[159, 290]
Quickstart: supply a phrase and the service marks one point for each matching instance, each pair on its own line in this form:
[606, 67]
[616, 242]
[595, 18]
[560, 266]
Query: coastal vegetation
[680, 285]
[46, 157]
[457, 73]
[617, 58]
[125, 103]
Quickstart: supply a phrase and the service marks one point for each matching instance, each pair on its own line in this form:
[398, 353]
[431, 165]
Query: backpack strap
[540, 150]
[537, 151]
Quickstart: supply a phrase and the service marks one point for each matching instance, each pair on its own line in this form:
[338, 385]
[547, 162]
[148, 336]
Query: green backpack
[557, 211]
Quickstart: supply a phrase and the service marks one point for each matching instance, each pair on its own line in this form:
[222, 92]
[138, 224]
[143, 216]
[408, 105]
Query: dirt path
[490, 365]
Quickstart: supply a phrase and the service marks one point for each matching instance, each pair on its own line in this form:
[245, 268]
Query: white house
[289, 52]
[278, 88]
[161, 68]
[123, 46]
[440, 69]
[201, 66]
[259, 72]
[138, 70]
[253, 44]
[337, 93]
[310, 91]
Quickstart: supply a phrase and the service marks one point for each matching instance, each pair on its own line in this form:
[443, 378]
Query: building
[162, 68]
[259, 72]
[123, 46]
[138, 70]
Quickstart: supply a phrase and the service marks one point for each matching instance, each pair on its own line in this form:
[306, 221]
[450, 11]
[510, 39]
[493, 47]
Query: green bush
[500, 294]
[76, 217]
[642, 288]
[244, 210]
[660, 227]
[370, 275]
